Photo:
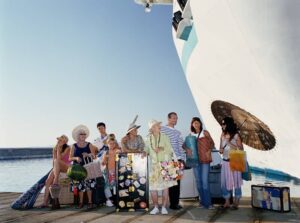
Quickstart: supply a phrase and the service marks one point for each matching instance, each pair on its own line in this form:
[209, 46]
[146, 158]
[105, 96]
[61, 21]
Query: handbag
[237, 160]
[93, 168]
[205, 146]
[247, 174]
[191, 143]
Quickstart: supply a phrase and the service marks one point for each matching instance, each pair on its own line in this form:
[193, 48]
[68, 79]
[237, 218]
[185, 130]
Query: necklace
[158, 141]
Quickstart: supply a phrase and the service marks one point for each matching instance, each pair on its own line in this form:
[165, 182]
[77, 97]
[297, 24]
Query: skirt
[230, 179]
[83, 185]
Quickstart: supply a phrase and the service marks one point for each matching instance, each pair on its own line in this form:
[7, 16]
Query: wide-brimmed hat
[63, 136]
[153, 122]
[132, 125]
[78, 130]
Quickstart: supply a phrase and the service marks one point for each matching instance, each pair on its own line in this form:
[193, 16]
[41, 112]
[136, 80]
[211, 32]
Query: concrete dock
[189, 213]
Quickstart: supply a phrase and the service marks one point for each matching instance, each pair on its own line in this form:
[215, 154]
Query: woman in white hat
[159, 148]
[132, 142]
[79, 151]
[61, 163]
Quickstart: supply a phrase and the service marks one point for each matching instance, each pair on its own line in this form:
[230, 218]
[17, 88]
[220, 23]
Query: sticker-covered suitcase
[132, 182]
[271, 197]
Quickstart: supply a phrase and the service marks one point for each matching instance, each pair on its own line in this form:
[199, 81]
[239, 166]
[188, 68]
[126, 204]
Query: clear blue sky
[70, 62]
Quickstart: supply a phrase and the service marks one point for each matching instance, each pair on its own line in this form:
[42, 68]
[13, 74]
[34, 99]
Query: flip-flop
[42, 206]
[222, 207]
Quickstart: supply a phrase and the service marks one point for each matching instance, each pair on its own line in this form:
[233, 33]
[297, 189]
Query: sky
[71, 62]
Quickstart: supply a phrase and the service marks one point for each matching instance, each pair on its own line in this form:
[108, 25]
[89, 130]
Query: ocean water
[20, 175]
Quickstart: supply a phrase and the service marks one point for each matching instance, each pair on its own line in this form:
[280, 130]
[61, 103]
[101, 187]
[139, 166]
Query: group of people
[163, 143]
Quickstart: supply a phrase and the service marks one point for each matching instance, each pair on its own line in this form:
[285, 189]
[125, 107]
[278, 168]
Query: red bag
[205, 146]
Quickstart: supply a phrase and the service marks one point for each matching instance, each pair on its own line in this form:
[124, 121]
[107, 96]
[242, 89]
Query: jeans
[201, 175]
[227, 193]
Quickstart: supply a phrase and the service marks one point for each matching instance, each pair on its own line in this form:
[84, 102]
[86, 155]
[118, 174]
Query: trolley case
[132, 182]
[270, 197]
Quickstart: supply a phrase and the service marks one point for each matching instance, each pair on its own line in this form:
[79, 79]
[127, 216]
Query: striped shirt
[176, 141]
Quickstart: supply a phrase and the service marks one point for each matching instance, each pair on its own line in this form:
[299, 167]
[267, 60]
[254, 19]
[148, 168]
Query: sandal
[234, 207]
[90, 206]
[43, 206]
[80, 205]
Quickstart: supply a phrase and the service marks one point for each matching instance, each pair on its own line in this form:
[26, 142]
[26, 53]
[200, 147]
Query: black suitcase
[269, 197]
[98, 194]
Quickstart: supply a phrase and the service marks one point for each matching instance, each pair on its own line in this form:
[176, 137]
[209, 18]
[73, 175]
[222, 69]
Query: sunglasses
[82, 134]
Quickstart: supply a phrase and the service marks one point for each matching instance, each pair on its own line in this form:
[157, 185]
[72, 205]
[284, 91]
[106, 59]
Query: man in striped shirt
[176, 142]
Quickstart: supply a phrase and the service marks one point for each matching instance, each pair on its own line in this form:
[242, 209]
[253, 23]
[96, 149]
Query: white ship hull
[248, 53]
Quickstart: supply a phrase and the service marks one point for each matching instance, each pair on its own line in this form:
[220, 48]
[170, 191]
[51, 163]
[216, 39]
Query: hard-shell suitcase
[132, 182]
[270, 197]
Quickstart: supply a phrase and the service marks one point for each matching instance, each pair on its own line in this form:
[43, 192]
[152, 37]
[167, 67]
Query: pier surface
[189, 213]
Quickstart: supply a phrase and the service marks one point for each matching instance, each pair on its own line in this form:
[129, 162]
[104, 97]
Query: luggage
[132, 182]
[66, 195]
[271, 197]
[98, 194]
[188, 187]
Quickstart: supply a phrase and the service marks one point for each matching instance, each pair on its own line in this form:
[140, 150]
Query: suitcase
[188, 187]
[132, 182]
[270, 197]
[98, 195]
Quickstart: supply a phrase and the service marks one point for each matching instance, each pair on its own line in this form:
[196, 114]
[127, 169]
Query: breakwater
[25, 153]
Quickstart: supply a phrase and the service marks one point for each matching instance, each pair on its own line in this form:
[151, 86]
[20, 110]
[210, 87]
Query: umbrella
[253, 131]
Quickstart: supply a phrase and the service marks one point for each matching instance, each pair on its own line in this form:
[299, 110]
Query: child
[108, 160]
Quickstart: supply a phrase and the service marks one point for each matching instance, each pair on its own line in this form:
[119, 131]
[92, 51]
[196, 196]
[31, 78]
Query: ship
[246, 53]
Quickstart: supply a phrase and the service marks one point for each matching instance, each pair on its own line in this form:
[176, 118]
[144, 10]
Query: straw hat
[152, 123]
[63, 137]
[132, 125]
[78, 130]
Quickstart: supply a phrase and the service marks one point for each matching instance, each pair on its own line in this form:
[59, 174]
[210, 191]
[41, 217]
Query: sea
[20, 175]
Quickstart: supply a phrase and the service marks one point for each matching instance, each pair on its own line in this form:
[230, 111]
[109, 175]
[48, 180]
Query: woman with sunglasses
[80, 151]
[230, 180]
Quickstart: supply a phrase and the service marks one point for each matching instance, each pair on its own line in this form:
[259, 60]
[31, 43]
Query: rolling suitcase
[132, 182]
[270, 197]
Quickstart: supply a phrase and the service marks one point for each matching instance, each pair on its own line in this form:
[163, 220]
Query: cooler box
[271, 197]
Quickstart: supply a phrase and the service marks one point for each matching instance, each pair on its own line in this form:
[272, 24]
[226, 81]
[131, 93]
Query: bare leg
[154, 197]
[165, 197]
[59, 166]
[47, 185]
[227, 202]
[89, 194]
[81, 197]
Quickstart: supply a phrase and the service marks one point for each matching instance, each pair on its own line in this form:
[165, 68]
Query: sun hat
[63, 136]
[132, 125]
[152, 123]
[78, 130]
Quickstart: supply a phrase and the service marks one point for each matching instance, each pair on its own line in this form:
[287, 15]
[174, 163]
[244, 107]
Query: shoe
[80, 205]
[178, 207]
[109, 203]
[211, 207]
[164, 211]
[200, 206]
[154, 211]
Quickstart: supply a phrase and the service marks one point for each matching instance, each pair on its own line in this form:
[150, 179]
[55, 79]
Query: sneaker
[164, 210]
[154, 211]
[211, 207]
[109, 203]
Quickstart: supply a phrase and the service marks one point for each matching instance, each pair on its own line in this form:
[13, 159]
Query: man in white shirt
[100, 142]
